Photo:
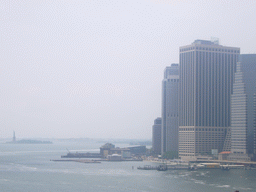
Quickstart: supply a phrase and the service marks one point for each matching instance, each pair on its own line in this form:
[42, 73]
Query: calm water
[28, 168]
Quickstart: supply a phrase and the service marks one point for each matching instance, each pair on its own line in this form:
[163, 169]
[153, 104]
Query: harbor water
[28, 168]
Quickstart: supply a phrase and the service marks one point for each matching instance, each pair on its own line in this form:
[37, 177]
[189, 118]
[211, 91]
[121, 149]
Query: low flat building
[109, 149]
[115, 157]
[223, 155]
[138, 150]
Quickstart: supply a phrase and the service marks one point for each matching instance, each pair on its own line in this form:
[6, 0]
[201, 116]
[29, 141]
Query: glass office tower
[206, 83]
[243, 107]
[170, 117]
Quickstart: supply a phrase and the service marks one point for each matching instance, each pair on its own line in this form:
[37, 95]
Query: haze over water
[94, 68]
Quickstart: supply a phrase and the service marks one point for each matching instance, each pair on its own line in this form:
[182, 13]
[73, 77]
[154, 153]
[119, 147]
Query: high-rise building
[156, 136]
[206, 82]
[243, 109]
[170, 117]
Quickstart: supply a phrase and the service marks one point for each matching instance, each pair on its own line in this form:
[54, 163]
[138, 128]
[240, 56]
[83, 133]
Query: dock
[77, 160]
[82, 155]
[162, 167]
[148, 167]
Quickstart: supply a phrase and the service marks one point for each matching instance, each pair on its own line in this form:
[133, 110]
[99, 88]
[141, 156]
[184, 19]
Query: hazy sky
[93, 68]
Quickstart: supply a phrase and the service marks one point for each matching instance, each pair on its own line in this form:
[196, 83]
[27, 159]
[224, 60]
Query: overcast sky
[93, 68]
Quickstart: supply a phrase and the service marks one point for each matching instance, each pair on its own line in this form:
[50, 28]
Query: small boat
[162, 168]
[148, 167]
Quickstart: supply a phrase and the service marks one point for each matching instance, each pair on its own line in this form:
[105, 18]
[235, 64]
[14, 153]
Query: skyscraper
[206, 80]
[243, 109]
[156, 136]
[170, 109]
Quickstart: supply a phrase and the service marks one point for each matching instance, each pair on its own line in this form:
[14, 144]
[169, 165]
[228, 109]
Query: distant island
[27, 141]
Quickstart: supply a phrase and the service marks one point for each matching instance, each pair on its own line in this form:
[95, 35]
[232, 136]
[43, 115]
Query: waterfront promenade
[179, 162]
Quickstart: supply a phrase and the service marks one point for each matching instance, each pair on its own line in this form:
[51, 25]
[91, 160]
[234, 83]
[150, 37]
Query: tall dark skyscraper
[243, 109]
[206, 80]
[170, 109]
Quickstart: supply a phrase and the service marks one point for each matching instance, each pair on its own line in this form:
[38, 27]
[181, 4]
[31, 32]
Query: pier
[82, 155]
[163, 167]
[226, 162]
[77, 160]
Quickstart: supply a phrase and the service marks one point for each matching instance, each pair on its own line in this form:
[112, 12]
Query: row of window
[201, 129]
[192, 154]
[186, 129]
[209, 129]
[173, 80]
[213, 140]
[210, 49]
[174, 115]
[210, 139]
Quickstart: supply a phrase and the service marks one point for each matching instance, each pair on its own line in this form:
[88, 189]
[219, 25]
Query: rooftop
[206, 42]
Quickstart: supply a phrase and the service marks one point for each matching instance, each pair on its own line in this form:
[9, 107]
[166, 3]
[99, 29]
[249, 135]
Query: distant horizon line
[75, 138]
